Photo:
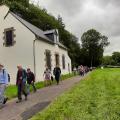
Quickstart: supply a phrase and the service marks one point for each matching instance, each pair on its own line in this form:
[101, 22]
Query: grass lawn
[11, 91]
[97, 97]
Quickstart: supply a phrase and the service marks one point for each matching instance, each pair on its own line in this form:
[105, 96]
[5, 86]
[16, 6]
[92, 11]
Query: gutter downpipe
[34, 57]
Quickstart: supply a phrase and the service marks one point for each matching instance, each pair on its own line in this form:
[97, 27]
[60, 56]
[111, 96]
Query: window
[69, 67]
[48, 59]
[9, 37]
[57, 59]
[63, 61]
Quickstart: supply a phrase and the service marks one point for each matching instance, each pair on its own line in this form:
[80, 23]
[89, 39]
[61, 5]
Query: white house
[25, 44]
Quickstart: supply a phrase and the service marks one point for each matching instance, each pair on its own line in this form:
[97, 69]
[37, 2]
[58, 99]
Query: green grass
[11, 91]
[97, 97]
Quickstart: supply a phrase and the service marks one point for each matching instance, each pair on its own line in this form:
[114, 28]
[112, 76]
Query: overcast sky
[81, 15]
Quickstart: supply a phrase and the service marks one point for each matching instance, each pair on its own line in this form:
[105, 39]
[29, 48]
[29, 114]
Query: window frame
[57, 54]
[63, 62]
[13, 36]
[46, 61]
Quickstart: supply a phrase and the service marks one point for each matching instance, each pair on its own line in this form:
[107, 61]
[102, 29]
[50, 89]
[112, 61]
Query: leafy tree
[116, 57]
[93, 44]
[108, 60]
[60, 20]
[112, 60]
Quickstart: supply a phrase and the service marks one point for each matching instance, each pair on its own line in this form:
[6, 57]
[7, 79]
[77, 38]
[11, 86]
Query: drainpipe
[34, 57]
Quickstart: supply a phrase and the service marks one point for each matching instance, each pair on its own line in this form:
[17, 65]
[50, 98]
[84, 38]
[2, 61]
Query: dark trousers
[57, 78]
[81, 73]
[21, 89]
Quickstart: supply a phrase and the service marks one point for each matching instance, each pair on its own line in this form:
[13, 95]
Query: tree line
[89, 53]
[113, 60]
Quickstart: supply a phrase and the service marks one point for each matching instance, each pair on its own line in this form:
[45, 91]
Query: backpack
[24, 73]
[54, 71]
[8, 75]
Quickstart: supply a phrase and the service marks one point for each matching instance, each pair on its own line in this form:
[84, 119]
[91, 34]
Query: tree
[108, 60]
[93, 44]
[116, 57]
[60, 20]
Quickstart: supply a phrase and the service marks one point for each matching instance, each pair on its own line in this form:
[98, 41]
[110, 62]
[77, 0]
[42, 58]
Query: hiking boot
[5, 100]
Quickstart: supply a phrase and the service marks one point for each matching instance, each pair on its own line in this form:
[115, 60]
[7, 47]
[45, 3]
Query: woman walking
[47, 77]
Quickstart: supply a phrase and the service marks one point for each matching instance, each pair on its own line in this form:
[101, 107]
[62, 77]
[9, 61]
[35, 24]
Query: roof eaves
[48, 41]
[62, 46]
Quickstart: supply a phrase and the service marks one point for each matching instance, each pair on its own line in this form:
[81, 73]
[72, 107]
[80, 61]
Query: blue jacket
[3, 77]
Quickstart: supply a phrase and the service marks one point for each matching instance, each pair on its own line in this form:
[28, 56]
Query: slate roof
[35, 30]
[38, 32]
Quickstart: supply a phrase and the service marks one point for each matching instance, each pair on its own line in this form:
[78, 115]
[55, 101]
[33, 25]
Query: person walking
[3, 84]
[81, 70]
[47, 77]
[57, 73]
[75, 70]
[30, 80]
[21, 83]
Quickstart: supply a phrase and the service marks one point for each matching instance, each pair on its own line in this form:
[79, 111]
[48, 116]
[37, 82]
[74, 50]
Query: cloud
[69, 7]
[104, 3]
[81, 15]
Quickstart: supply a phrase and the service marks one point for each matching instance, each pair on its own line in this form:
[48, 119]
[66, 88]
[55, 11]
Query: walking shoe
[18, 101]
[5, 100]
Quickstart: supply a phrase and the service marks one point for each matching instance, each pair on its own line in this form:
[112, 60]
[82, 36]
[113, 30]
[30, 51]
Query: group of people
[81, 70]
[48, 77]
[24, 79]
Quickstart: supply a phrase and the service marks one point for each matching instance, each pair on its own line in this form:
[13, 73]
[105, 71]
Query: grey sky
[81, 15]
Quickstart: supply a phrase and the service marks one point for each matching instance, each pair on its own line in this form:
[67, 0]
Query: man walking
[57, 73]
[21, 83]
[3, 84]
[30, 80]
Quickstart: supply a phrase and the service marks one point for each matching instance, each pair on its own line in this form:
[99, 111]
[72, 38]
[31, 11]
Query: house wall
[41, 47]
[22, 52]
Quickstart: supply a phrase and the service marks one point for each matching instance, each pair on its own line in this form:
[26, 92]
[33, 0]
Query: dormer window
[53, 35]
[9, 37]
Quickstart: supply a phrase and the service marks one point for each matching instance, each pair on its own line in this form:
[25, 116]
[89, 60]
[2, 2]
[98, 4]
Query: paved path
[36, 101]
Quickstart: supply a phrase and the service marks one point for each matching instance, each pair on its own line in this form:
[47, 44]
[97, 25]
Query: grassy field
[96, 97]
[11, 91]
